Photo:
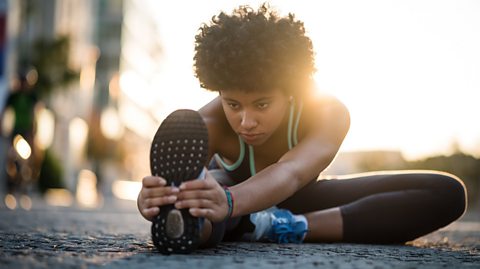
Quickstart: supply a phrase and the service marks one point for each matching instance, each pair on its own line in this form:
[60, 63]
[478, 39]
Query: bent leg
[230, 230]
[392, 207]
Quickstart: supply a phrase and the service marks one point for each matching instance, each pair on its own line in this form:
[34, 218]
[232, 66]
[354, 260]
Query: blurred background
[85, 83]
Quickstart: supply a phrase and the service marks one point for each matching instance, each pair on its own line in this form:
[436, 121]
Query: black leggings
[383, 207]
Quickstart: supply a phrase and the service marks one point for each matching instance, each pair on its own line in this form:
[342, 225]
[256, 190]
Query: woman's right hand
[154, 194]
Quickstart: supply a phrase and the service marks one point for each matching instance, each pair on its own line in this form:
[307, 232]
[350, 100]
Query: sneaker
[178, 153]
[287, 227]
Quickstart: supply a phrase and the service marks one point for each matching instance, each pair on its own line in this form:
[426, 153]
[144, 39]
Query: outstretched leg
[387, 207]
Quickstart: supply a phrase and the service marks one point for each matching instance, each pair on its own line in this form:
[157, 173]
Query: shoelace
[284, 232]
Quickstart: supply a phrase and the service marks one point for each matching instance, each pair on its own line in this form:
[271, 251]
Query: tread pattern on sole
[178, 153]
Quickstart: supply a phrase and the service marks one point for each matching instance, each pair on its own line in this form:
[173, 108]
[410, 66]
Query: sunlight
[22, 147]
[46, 128]
[8, 120]
[26, 202]
[135, 88]
[10, 201]
[407, 74]
[78, 132]
[58, 197]
[87, 195]
[111, 125]
[87, 77]
[126, 189]
[134, 118]
[114, 86]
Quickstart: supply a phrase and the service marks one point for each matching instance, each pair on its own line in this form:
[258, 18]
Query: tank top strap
[231, 167]
[297, 121]
[293, 127]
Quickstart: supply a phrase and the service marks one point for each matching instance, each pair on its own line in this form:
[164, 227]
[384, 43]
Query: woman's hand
[204, 198]
[154, 194]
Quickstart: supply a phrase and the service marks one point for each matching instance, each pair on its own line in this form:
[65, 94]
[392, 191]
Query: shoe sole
[178, 153]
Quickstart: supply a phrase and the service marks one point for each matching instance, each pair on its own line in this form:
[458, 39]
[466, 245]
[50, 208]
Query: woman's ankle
[206, 232]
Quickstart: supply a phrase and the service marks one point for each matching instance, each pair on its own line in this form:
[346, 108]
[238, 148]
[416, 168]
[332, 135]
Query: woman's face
[255, 116]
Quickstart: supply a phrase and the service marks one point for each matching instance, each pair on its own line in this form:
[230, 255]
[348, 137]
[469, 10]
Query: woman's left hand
[204, 198]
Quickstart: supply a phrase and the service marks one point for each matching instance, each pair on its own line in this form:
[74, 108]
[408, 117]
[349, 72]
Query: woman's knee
[452, 192]
[222, 177]
[216, 235]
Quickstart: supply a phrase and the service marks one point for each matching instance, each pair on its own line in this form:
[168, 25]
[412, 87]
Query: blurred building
[3, 50]
[4, 75]
[142, 62]
[72, 112]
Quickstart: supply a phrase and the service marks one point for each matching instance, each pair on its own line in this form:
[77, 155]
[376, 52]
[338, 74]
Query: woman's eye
[233, 105]
[262, 105]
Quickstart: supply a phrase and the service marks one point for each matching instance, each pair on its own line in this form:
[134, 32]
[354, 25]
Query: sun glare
[22, 147]
[87, 195]
[126, 190]
[407, 74]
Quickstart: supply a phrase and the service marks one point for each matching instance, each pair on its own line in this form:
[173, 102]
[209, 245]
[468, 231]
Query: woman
[268, 136]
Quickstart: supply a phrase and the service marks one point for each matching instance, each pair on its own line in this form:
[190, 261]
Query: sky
[409, 71]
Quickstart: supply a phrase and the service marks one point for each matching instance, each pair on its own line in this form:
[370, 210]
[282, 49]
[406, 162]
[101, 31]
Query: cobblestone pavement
[117, 237]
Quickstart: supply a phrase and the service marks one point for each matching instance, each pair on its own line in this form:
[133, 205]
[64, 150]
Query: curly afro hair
[254, 51]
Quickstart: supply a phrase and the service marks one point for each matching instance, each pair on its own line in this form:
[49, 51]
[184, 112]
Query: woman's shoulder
[320, 104]
[217, 124]
[319, 98]
[213, 115]
[322, 111]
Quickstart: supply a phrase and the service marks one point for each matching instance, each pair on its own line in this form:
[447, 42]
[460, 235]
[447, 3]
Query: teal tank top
[246, 162]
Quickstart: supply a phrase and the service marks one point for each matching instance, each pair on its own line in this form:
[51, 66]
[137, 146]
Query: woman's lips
[249, 137]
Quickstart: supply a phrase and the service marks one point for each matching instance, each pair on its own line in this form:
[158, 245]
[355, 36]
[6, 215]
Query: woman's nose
[248, 121]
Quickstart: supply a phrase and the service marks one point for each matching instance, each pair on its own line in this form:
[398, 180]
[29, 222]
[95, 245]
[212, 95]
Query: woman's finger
[195, 194]
[160, 201]
[214, 215]
[159, 191]
[200, 212]
[194, 203]
[153, 181]
[150, 213]
[195, 185]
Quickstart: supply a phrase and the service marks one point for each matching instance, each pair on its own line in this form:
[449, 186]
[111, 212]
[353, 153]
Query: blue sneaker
[278, 225]
[287, 227]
